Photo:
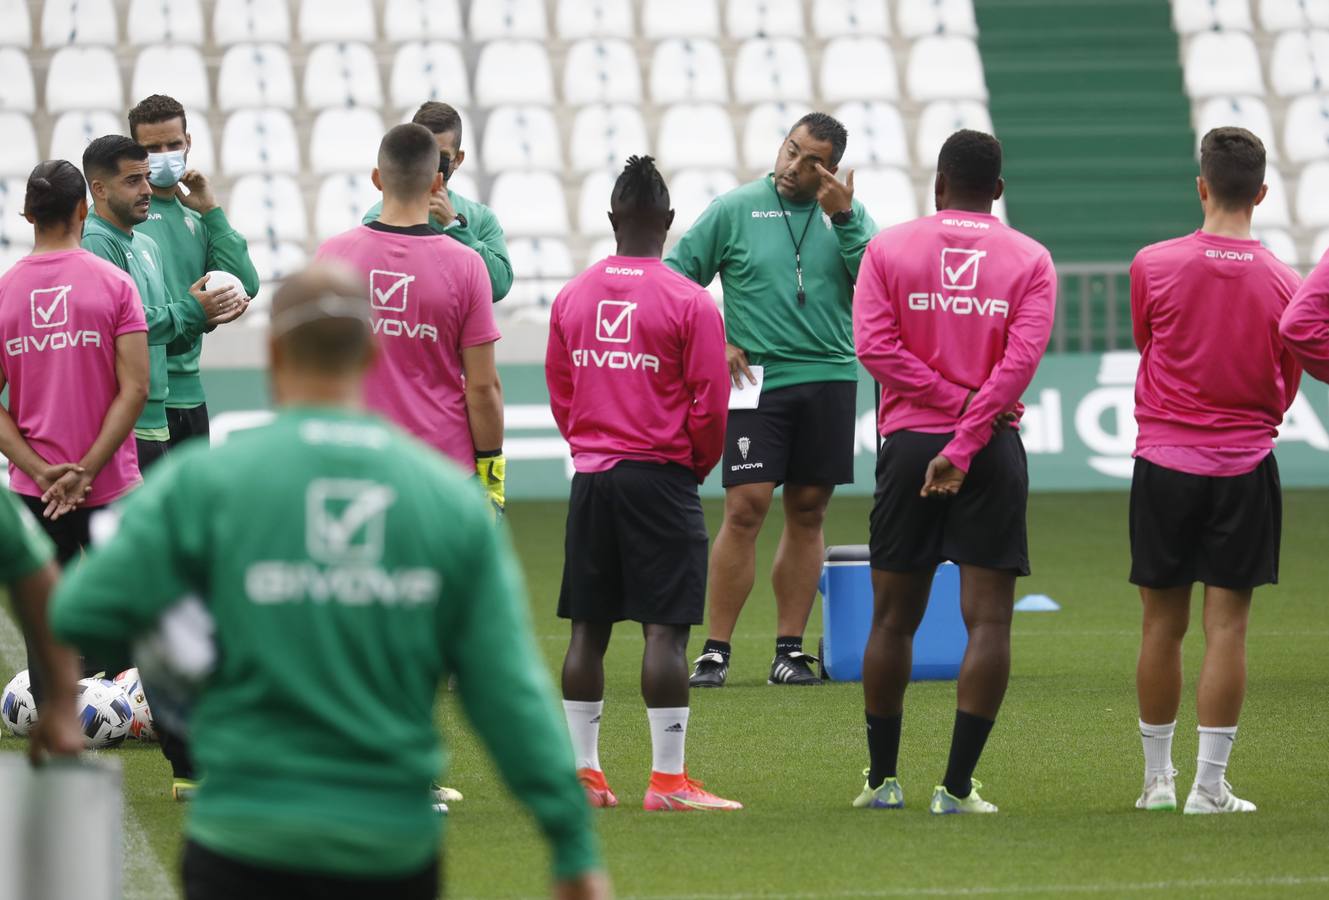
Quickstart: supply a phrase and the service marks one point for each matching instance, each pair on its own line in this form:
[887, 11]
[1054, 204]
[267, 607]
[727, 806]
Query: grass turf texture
[1063, 763]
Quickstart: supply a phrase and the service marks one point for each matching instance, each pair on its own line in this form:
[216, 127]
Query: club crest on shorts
[743, 445]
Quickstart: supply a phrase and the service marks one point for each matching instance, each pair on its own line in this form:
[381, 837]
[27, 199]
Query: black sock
[720, 647]
[787, 645]
[883, 747]
[971, 733]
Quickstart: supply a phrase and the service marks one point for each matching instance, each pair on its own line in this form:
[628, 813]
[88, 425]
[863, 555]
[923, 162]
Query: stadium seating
[1300, 63]
[268, 207]
[769, 18]
[858, 68]
[1191, 16]
[945, 68]
[594, 18]
[1250, 113]
[18, 151]
[679, 18]
[17, 92]
[1313, 195]
[66, 22]
[203, 148]
[601, 71]
[919, 18]
[337, 20]
[256, 75]
[888, 195]
[772, 69]
[1306, 135]
[839, 18]
[765, 129]
[165, 22]
[593, 203]
[75, 130]
[943, 118]
[687, 69]
[542, 258]
[259, 141]
[428, 71]
[175, 69]
[84, 78]
[1223, 63]
[696, 135]
[513, 72]
[345, 140]
[1285, 15]
[692, 190]
[14, 231]
[342, 74]
[251, 21]
[529, 204]
[342, 201]
[879, 134]
[1274, 211]
[15, 24]
[521, 137]
[496, 19]
[603, 136]
[413, 20]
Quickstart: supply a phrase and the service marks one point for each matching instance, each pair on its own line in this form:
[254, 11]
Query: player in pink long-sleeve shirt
[951, 316]
[1305, 325]
[639, 386]
[1214, 381]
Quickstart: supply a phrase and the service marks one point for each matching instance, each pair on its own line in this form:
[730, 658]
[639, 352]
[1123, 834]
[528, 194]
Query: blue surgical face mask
[165, 169]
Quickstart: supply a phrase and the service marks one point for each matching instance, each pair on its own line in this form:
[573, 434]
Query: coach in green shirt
[787, 249]
[348, 571]
[464, 220]
[194, 237]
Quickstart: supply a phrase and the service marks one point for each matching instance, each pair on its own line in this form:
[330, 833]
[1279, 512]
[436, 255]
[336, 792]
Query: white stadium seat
[414, 20]
[345, 140]
[1300, 63]
[1279, 243]
[342, 74]
[593, 203]
[464, 184]
[165, 22]
[495, 19]
[513, 72]
[839, 18]
[594, 18]
[767, 125]
[692, 190]
[17, 91]
[771, 69]
[679, 18]
[251, 21]
[1240, 112]
[1312, 196]
[1320, 247]
[687, 69]
[606, 136]
[15, 24]
[522, 137]
[432, 71]
[1191, 16]
[342, 202]
[1273, 212]
[877, 135]
[858, 68]
[765, 18]
[18, 151]
[1287, 15]
[945, 68]
[74, 130]
[696, 136]
[530, 204]
[541, 258]
[930, 205]
[259, 141]
[337, 20]
[1306, 134]
[256, 75]
[67, 22]
[268, 207]
[83, 78]
[606, 247]
[275, 260]
[15, 232]
[888, 195]
[919, 18]
[1222, 63]
[601, 71]
[202, 147]
[176, 70]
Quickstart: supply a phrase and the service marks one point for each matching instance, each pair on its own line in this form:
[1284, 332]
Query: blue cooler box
[846, 618]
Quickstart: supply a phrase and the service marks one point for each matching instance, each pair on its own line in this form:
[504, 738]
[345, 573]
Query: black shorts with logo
[1220, 531]
[803, 434]
[982, 525]
[635, 546]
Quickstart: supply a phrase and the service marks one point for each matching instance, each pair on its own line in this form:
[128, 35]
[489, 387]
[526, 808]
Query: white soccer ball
[104, 713]
[141, 727]
[219, 279]
[17, 706]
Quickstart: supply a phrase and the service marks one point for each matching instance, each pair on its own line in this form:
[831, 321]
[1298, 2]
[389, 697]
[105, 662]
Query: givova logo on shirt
[50, 309]
[50, 306]
[389, 292]
[959, 275]
[613, 325]
[345, 519]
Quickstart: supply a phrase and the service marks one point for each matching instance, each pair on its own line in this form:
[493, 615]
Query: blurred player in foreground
[639, 387]
[1305, 325]
[1206, 505]
[348, 571]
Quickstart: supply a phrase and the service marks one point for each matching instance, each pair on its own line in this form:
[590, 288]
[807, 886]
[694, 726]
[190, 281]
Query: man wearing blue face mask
[195, 238]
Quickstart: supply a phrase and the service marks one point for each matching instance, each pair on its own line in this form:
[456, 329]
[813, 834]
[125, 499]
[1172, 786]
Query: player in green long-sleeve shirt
[787, 249]
[464, 220]
[195, 238]
[348, 571]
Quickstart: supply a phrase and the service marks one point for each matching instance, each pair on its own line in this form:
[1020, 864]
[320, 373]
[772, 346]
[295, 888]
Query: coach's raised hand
[834, 195]
[441, 209]
[200, 198]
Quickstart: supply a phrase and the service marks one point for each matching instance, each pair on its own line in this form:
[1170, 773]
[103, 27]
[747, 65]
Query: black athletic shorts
[1223, 532]
[803, 434]
[982, 525]
[70, 533]
[187, 423]
[150, 452]
[212, 876]
[635, 546]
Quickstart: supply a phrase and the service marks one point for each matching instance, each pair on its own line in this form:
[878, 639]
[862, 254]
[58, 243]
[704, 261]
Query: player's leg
[583, 704]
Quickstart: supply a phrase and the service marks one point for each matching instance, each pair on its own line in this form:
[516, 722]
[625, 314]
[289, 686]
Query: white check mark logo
[46, 313]
[365, 506]
[382, 297]
[611, 327]
[971, 260]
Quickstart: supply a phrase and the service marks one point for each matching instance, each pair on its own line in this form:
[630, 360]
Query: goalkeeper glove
[492, 470]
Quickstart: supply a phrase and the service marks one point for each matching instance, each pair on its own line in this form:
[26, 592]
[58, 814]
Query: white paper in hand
[748, 394]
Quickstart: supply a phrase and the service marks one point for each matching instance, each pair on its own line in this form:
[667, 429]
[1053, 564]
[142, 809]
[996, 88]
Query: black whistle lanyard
[798, 244]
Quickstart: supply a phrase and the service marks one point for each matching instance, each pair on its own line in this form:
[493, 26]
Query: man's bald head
[321, 321]
[408, 161]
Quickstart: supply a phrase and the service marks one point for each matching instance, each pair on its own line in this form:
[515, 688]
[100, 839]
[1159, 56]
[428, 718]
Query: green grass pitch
[1063, 763]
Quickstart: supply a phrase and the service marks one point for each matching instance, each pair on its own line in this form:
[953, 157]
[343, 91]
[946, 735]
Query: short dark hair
[971, 162]
[439, 118]
[102, 157]
[640, 189]
[156, 108]
[55, 188]
[825, 128]
[407, 160]
[1232, 162]
[321, 317]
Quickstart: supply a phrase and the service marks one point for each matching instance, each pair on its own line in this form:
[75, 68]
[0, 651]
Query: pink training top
[60, 314]
[1214, 372]
[636, 367]
[1305, 325]
[945, 305]
[430, 299]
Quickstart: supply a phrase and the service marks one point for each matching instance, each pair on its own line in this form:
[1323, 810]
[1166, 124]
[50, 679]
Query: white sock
[1157, 749]
[584, 726]
[669, 734]
[1215, 747]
